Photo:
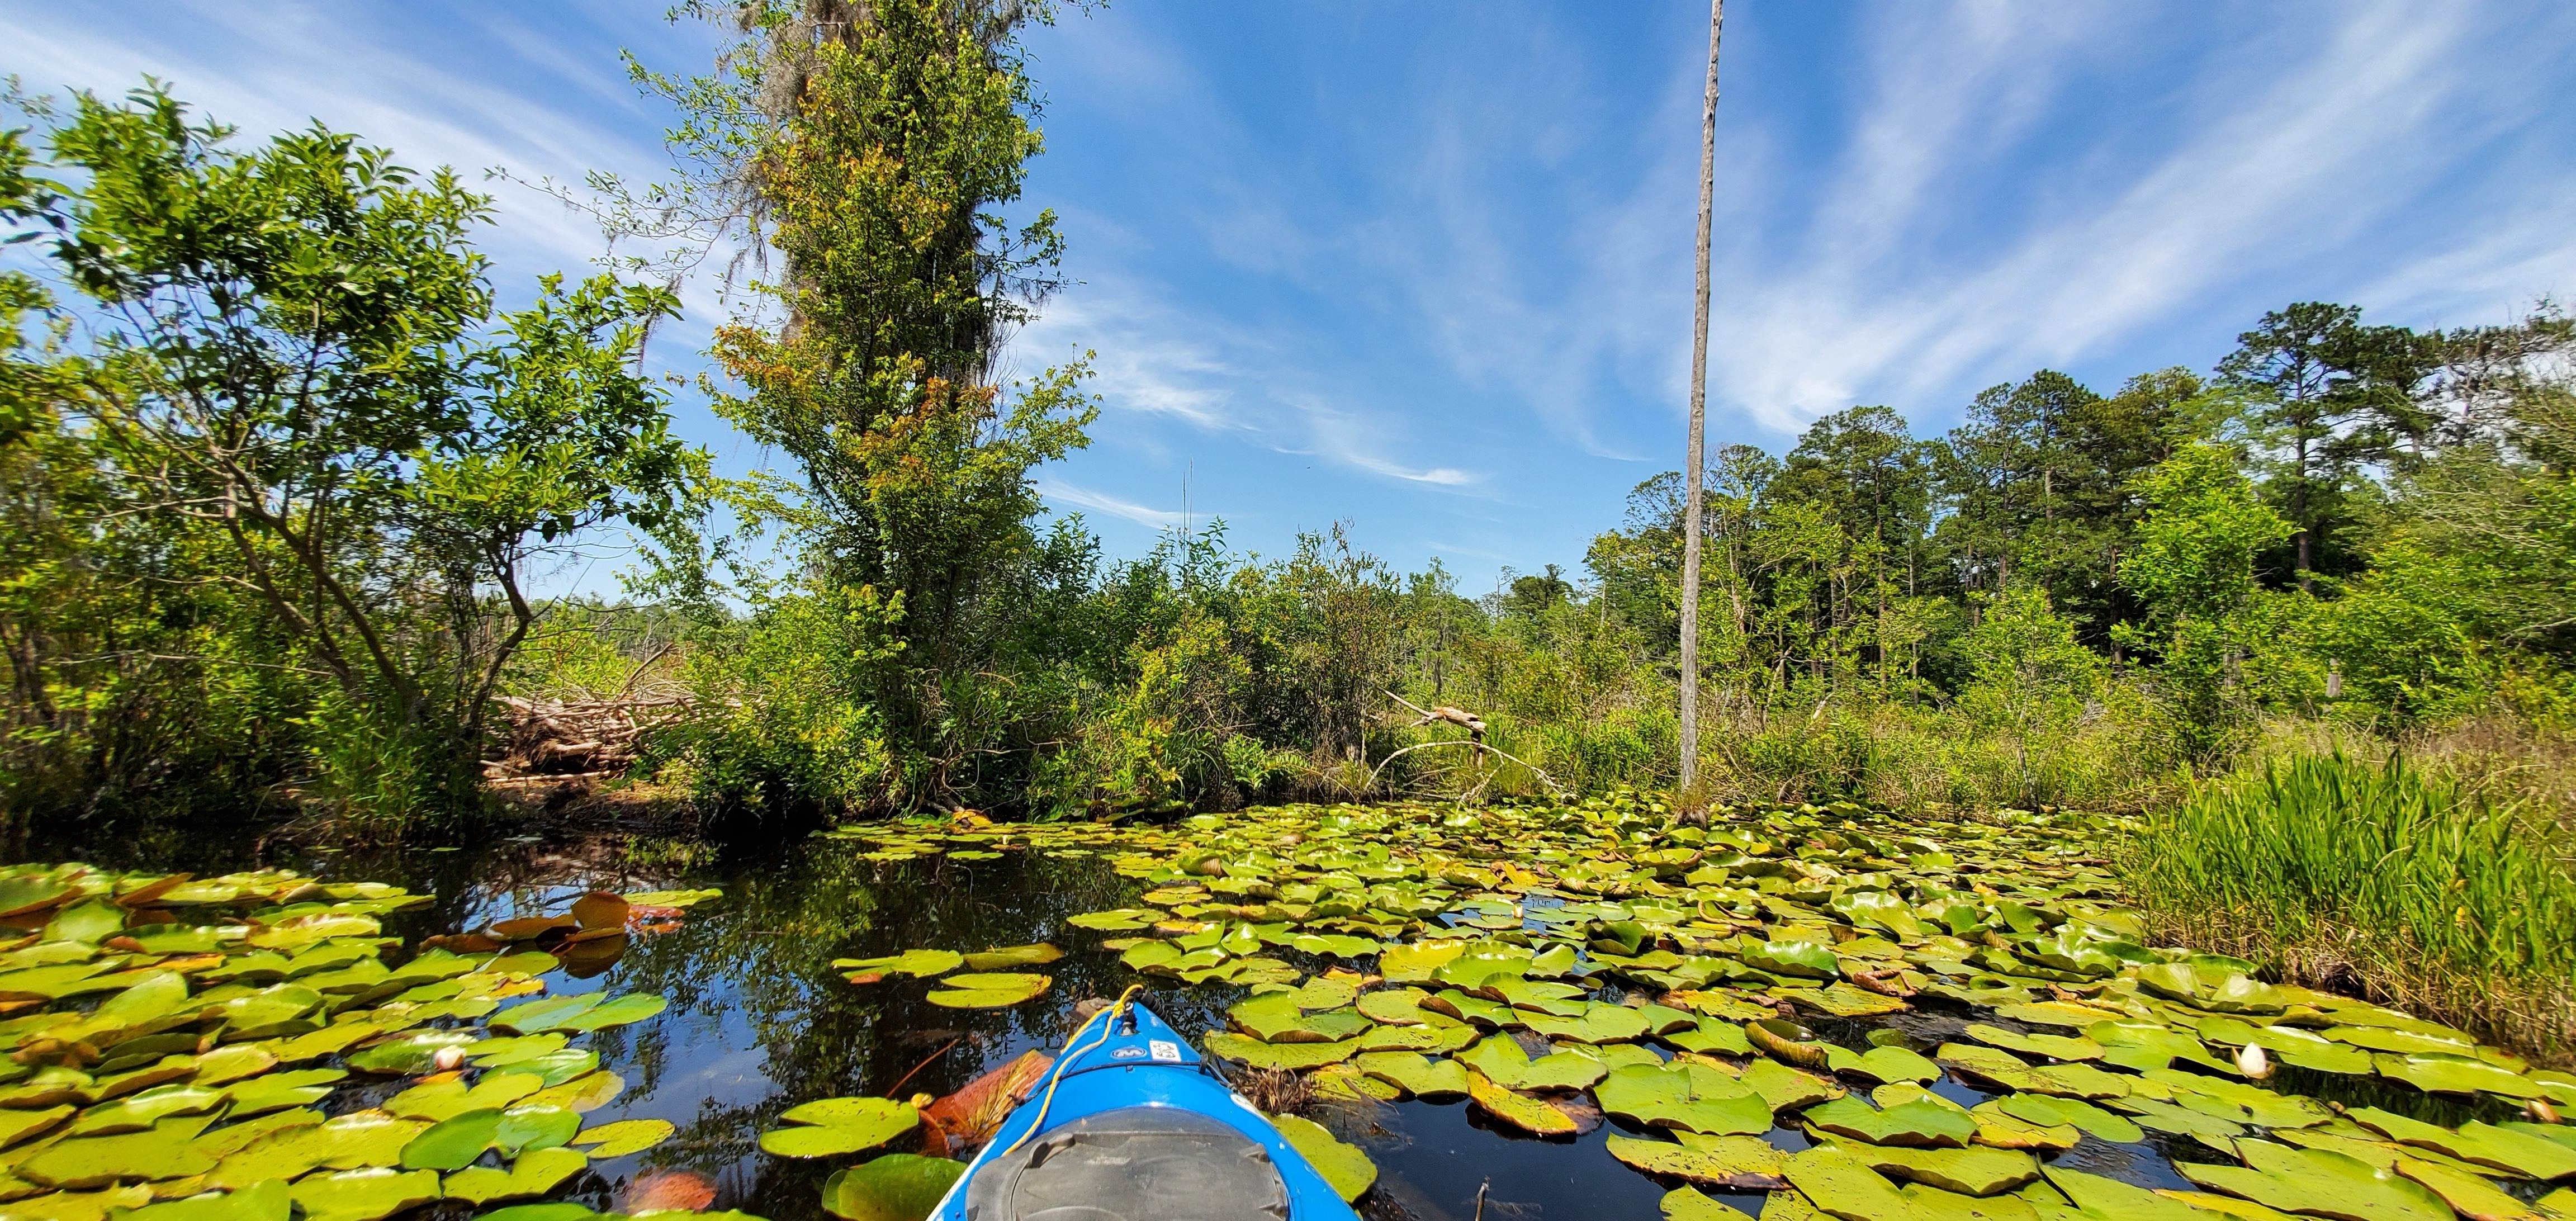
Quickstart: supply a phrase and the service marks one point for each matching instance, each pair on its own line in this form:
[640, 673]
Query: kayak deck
[1130, 1125]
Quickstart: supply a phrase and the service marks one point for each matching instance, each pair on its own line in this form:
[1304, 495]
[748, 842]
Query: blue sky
[1426, 267]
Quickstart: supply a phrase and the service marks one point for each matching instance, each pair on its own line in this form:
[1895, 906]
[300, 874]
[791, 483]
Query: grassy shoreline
[2424, 888]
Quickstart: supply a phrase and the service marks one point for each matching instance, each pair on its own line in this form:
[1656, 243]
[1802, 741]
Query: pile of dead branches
[554, 739]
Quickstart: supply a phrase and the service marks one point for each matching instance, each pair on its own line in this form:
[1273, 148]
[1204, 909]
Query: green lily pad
[453, 1143]
[2440, 1074]
[1736, 1162]
[1920, 1123]
[1414, 962]
[546, 1013]
[1519, 1110]
[2043, 1110]
[624, 1137]
[2051, 1046]
[1842, 1185]
[1786, 1088]
[620, 1011]
[1971, 1170]
[1346, 1170]
[1882, 1064]
[533, 1173]
[267, 1201]
[1712, 1038]
[441, 1099]
[535, 1125]
[1013, 956]
[1116, 920]
[1600, 1023]
[830, 1127]
[895, 1187]
[363, 1195]
[162, 1151]
[1803, 959]
[1393, 1006]
[139, 1111]
[916, 963]
[1414, 1073]
[2319, 1183]
[584, 1093]
[1689, 1097]
[2096, 1196]
[408, 1055]
[1282, 1056]
[995, 991]
[2498, 1148]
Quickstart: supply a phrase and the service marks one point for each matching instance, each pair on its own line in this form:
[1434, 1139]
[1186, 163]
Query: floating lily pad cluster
[1551, 965]
[174, 1045]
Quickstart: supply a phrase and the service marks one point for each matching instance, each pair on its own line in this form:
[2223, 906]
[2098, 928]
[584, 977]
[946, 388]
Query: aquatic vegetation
[172, 1040]
[2422, 889]
[1805, 969]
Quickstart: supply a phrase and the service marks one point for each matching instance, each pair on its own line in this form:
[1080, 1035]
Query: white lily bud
[2253, 1063]
[446, 1058]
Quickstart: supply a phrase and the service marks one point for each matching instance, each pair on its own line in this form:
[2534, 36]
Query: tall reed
[2376, 878]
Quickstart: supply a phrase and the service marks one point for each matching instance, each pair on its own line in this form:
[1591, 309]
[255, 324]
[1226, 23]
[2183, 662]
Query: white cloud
[1058, 491]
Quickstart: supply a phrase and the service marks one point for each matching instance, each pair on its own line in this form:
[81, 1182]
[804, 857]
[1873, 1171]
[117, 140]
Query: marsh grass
[2425, 890]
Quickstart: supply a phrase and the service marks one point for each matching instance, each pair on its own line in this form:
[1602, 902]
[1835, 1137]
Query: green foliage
[2419, 882]
[295, 420]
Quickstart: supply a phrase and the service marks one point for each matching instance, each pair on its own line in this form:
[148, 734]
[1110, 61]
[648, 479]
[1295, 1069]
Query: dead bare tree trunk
[1695, 460]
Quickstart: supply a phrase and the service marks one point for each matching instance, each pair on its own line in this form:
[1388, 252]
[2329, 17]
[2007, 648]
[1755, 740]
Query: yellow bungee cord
[1066, 1060]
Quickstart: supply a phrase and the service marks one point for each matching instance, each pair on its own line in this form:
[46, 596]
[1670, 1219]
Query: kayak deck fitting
[1131, 1125]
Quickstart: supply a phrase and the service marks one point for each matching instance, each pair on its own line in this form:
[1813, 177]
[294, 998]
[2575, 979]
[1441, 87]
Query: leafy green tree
[2191, 565]
[2031, 681]
[292, 353]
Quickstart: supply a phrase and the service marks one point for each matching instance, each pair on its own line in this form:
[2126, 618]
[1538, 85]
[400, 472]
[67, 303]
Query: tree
[1689, 736]
[2330, 397]
[293, 353]
[2031, 678]
[2192, 566]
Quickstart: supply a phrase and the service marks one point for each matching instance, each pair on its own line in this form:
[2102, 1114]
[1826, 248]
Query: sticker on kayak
[1130, 1052]
[1165, 1050]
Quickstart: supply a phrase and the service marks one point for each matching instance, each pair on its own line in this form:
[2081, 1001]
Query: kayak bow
[1131, 1125]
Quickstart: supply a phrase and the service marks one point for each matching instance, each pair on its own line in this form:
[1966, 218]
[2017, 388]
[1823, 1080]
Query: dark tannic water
[758, 1022]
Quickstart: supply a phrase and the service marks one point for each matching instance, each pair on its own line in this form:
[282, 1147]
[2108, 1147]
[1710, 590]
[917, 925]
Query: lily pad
[1735, 1162]
[267, 1201]
[996, 991]
[453, 1143]
[533, 1173]
[1519, 1110]
[1283, 1056]
[624, 1137]
[895, 1187]
[1921, 1123]
[916, 963]
[1972, 1170]
[830, 1127]
[363, 1195]
[1415, 1074]
[1684, 1096]
[1013, 956]
[2319, 1183]
[1841, 1185]
[1347, 1170]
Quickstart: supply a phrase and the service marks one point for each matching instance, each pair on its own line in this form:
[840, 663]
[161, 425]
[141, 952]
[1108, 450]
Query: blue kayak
[1130, 1125]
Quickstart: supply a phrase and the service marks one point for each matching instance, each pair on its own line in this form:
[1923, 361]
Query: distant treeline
[278, 479]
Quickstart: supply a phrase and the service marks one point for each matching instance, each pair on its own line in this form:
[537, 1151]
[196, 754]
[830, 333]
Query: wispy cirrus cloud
[1059, 492]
